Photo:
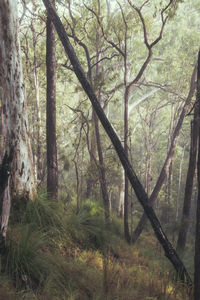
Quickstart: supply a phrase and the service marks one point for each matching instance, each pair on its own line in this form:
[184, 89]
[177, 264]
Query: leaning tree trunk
[20, 179]
[197, 239]
[189, 185]
[138, 188]
[52, 165]
[13, 100]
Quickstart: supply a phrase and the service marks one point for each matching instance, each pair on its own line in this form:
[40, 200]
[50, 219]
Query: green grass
[54, 253]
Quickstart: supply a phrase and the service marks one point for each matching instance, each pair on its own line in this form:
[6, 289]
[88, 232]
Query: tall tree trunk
[197, 238]
[91, 180]
[52, 164]
[101, 165]
[169, 177]
[102, 174]
[189, 185]
[138, 188]
[126, 182]
[13, 100]
[37, 96]
[169, 157]
[17, 170]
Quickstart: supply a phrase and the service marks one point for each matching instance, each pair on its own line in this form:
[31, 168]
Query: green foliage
[42, 214]
[88, 226]
[25, 261]
[84, 258]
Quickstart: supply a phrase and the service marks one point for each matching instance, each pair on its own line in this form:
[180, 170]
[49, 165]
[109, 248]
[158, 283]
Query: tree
[168, 160]
[188, 185]
[95, 70]
[197, 238]
[22, 180]
[52, 164]
[138, 188]
[14, 105]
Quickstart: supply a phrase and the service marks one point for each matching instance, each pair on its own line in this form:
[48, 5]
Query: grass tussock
[53, 253]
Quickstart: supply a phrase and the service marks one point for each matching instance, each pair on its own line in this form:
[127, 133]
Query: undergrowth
[54, 253]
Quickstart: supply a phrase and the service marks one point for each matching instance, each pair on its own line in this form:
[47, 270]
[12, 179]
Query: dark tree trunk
[138, 188]
[197, 239]
[5, 202]
[52, 166]
[2, 134]
[189, 185]
[168, 159]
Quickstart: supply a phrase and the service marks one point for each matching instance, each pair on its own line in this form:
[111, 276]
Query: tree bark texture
[52, 165]
[169, 157]
[5, 202]
[39, 165]
[13, 101]
[2, 134]
[138, 188]
[197, 238]
[189, 185]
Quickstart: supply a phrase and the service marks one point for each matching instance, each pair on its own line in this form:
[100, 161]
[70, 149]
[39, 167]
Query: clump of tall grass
[25, 260]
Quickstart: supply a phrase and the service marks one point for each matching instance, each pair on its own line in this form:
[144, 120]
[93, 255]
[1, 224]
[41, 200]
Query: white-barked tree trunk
[13, 101]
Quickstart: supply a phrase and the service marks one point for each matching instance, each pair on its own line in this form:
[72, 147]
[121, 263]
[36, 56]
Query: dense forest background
[141, 61]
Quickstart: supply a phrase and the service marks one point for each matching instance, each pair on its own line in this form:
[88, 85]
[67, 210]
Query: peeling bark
[5, 202]
[13, 100]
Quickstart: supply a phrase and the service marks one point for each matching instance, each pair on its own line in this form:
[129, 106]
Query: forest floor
[77, 264]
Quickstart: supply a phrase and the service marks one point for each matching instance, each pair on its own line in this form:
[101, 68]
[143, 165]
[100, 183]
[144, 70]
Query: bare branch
[103, 33]
[144, 4]
[83, 45]
[104, 58]
[143, 22]
[149, 46]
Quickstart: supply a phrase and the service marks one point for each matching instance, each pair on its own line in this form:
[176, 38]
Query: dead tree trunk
[138, 188]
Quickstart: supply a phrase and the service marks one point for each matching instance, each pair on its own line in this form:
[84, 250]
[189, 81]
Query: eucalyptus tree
[121, 46]
[21, 181]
